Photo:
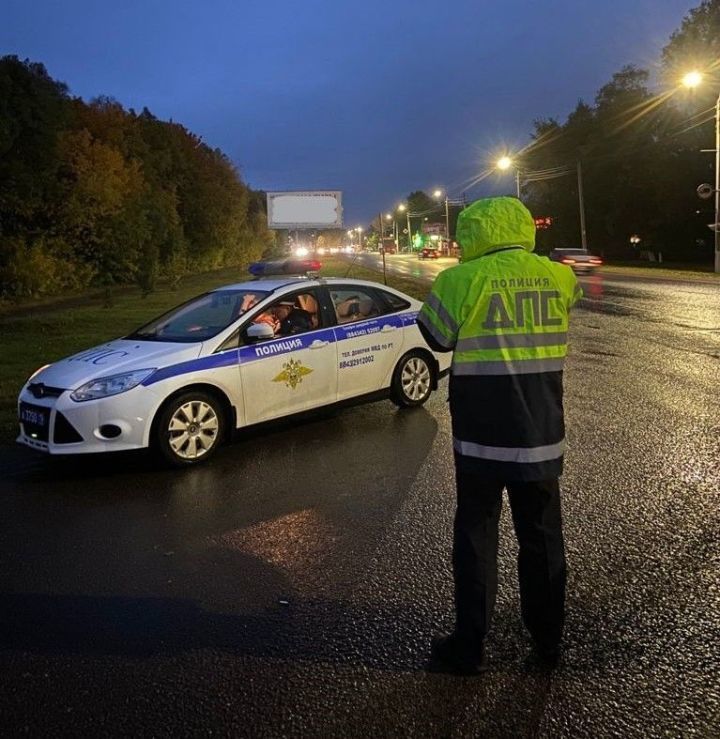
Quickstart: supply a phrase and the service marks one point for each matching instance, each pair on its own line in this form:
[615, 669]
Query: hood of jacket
[493, 223]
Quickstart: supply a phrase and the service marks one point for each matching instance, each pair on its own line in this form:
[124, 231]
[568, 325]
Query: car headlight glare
[102, 387]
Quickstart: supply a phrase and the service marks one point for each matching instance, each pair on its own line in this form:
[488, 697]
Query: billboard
[305, 209]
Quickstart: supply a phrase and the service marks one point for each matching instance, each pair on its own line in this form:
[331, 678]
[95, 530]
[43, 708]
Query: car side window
[289, 315]
[352, 304]
[394, 302]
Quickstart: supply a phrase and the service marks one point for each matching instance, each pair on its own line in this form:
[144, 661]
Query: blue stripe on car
[213, 361]
[280, 346]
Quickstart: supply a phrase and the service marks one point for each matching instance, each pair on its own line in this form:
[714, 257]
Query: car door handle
[317, 344]
[387, 329]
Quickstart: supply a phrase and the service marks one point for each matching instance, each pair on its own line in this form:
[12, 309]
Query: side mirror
[259, 332]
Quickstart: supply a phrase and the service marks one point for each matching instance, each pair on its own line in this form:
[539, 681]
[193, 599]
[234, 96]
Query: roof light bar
[285, 267]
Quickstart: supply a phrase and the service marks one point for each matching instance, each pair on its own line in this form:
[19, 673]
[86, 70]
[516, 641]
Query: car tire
[189, 428]
[412, 381]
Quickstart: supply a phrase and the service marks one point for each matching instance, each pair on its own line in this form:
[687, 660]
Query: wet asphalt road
[291, 587]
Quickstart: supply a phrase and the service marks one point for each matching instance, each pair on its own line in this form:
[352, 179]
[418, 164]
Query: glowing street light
[437, 195]
[404, 209]
[505, 163]
[692, 80]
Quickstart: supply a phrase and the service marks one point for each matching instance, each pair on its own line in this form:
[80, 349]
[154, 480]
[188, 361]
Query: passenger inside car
[355, 308]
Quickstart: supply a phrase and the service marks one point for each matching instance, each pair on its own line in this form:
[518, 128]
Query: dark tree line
[639, 153]
[92, 194]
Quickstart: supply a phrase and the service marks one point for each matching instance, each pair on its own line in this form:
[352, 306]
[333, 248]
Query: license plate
[34, 415]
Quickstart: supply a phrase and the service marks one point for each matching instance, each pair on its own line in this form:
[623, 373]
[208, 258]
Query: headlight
[104, 386]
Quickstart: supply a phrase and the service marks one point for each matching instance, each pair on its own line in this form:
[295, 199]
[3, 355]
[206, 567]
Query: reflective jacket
[504, 313]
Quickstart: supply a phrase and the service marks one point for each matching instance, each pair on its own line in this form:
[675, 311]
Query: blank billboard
[310, 209]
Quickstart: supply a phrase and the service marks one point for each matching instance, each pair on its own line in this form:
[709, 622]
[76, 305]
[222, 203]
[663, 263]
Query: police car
[230, 358]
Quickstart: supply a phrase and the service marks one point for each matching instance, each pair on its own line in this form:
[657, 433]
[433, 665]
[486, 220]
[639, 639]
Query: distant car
[387, 249]
[428, 253]
[233, 358]
[580, 260]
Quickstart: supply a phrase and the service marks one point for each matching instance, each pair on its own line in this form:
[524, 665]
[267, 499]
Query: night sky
[375, 99]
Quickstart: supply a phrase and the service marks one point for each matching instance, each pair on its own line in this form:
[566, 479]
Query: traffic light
[544, 222]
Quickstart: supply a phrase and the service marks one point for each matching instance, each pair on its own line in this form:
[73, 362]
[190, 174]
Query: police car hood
[493, 223]
[114, 358]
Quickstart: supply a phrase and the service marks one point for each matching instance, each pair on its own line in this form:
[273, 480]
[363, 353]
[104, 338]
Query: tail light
[596, 261]
[565, 260]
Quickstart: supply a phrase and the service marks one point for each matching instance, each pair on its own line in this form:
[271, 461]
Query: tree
[636, 167]
[33, 109]
[90, 191]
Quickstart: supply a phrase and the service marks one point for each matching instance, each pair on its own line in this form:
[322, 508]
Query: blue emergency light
[284, 267]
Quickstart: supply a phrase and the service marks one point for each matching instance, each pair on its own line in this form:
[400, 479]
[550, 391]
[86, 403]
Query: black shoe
[453, 655]
[547, 654]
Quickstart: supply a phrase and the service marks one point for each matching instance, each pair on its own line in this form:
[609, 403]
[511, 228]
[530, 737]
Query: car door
[369, 340]
[292, 372]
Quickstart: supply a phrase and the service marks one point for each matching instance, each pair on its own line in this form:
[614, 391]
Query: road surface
[292, 586]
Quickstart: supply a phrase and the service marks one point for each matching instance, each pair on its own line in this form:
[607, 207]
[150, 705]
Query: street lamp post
[438, 194]
[403, 207]
[505, 163]
[693, 79]
[717, 184]
[388, 217]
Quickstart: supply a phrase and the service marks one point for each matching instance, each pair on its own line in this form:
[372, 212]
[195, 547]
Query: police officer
[291, 319]
[503, 312]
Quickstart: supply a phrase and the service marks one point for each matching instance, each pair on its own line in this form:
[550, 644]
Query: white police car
[233, 357]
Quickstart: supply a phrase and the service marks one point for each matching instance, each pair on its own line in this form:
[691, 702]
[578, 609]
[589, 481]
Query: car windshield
[200, 318]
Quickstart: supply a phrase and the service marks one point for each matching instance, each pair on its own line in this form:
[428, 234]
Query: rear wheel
[190, 428]
[412, 380]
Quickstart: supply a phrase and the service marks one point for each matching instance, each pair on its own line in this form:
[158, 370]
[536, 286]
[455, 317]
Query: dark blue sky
[375, 98]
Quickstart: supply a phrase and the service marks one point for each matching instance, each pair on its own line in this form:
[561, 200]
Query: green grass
[41, 332]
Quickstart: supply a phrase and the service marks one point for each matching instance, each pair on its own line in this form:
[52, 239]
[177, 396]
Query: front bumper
[117, 423]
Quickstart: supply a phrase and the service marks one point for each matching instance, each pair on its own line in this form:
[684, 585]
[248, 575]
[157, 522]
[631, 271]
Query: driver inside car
[291, 319]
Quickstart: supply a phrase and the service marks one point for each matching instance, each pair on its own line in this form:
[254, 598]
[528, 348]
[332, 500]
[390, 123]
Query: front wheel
[412, 380]
[190, 428]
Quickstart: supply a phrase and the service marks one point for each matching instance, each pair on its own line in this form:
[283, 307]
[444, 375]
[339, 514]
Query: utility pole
[447, 223]
[517, 183]
[382, 245]
[583, 232]
[717, 185]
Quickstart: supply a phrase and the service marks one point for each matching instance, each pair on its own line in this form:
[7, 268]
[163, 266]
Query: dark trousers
[541, 562]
